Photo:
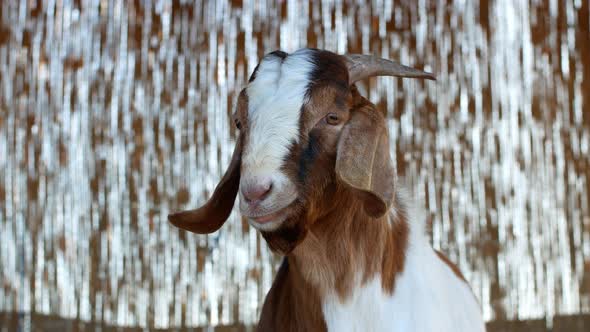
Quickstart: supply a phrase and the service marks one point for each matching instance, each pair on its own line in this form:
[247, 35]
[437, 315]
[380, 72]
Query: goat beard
[284, 239]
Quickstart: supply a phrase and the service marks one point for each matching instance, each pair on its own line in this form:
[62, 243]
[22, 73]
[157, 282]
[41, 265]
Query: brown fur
[288, 292]
[364, 246]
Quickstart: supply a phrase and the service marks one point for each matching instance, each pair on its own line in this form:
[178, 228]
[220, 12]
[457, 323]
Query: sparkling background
[114, 113]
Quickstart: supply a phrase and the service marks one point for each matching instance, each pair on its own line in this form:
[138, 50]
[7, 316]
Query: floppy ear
[363, 161]
[211, 216]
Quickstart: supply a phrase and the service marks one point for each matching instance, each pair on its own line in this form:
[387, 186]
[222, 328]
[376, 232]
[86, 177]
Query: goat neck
[346, 247]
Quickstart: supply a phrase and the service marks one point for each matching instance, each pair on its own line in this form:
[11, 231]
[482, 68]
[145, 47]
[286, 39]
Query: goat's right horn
[361, 66]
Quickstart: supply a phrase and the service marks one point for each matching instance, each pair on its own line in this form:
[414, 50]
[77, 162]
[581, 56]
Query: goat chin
[269, 222]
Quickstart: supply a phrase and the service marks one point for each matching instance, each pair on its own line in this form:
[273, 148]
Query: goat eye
[238, 124]
[332, 119]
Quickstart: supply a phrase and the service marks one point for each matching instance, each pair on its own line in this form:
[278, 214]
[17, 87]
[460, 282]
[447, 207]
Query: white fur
[428, 296]
[275, 98]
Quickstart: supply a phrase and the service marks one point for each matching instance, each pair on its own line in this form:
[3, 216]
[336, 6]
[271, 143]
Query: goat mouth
[269, 217]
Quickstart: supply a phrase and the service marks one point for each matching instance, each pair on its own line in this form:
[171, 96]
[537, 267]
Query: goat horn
[361, 66]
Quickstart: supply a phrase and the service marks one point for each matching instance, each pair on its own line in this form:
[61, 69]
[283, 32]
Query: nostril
[268, 188]
[256, 191]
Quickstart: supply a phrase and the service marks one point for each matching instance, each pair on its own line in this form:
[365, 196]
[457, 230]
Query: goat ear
[363, 161]
[211, 216]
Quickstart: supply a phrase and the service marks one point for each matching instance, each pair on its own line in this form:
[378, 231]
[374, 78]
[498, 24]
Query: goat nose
[256, 190]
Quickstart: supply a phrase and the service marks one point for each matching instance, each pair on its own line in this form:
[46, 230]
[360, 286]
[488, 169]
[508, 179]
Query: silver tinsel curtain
[113, 113]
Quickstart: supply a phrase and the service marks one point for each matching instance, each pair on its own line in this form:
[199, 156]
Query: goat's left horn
[361, 66]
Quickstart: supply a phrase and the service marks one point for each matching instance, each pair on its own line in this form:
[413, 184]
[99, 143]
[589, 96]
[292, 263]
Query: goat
[313, 170]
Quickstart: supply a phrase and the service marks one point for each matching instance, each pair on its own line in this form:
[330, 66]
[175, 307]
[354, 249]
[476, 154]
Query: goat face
[305, 133]
[291, 115]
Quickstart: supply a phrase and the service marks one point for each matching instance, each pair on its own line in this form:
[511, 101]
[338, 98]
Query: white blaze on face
[275, 98]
